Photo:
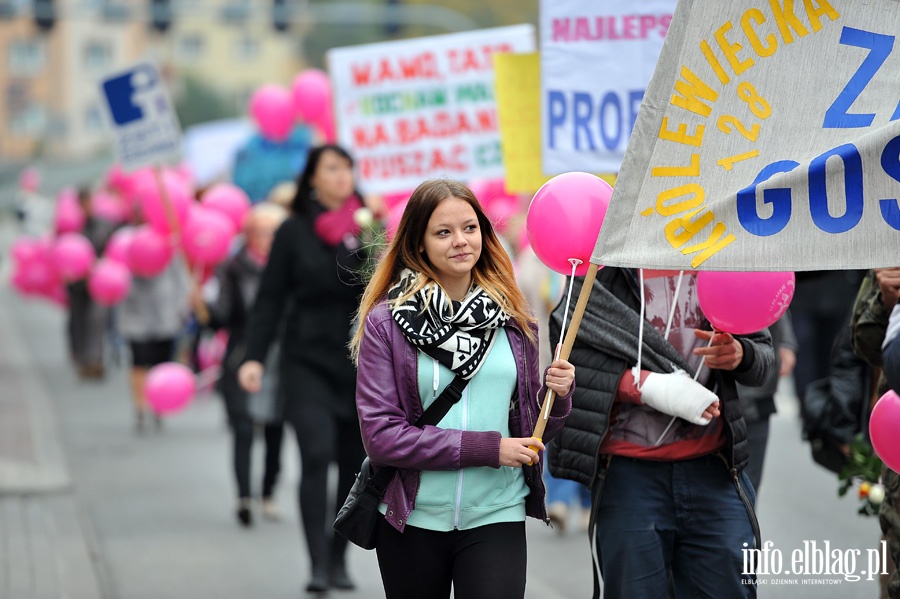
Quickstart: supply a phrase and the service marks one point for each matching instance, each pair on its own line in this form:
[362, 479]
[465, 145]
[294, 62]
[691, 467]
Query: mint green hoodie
[472, 497]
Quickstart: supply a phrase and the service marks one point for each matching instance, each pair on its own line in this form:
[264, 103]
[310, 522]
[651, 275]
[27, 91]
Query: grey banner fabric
[769, 139]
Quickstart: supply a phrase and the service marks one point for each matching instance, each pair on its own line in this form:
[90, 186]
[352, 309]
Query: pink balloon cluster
[884, 422]
[33, 271]
[169, 387]
[564, 220]
[276, 109]
[744, 302]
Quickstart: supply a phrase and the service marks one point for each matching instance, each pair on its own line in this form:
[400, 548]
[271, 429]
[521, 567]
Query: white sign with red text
[596, 60]
[417, 109]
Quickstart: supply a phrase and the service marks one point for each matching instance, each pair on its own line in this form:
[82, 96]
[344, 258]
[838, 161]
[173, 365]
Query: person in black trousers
[224, 303]
[313, 278]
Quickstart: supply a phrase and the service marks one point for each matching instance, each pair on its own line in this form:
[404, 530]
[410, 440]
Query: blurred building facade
[50, 104]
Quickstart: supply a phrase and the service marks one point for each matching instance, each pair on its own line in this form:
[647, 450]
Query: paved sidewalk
[45, 550]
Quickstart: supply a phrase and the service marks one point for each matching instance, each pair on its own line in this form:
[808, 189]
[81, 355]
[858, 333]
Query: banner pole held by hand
[563, 351]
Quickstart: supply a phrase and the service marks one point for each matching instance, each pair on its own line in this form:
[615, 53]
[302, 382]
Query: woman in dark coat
[312, 279]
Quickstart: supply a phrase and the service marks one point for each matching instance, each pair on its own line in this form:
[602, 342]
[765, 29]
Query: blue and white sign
[596, 60]
[143, 119]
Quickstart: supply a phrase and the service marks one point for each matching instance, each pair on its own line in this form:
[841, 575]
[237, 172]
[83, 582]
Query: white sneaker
[270, 510]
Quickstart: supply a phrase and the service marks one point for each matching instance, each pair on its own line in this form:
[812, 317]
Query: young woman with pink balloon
[312, 283]
[224, 304]
[639, 334]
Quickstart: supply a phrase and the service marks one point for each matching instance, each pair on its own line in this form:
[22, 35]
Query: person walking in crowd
[443, 304]
[230, 293]
[877, 298]
[312, 280]
[88, 320]
[758, 403]
[150, 320]
[672, 507]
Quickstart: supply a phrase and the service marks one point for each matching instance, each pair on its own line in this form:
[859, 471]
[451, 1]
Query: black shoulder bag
[357, 520]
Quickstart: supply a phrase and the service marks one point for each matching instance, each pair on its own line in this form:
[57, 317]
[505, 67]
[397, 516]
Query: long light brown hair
[493, 271]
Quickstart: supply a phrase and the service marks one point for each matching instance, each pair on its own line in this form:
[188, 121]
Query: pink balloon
[229, 200]
[69, 216]
[73, 256]
[272, 107]
[884, 423]
[36, 276]
[108, 207]
[501, 210]
[29, 179]
[109, 282]
[312, 95]
[392, 199]
[57, 294]
[207, 236]
[564, 220]
[24, 249]
[744, 302]
[169, 387]
[325, 124]
[152, 201]
[118, 244]
[149, 252]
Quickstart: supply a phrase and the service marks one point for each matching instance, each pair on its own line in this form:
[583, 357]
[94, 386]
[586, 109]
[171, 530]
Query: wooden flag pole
[566, 348]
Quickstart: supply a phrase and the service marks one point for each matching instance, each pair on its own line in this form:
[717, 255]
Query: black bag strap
[435, 412]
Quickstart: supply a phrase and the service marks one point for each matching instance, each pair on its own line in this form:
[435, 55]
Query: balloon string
[674, 304]
[575, 262]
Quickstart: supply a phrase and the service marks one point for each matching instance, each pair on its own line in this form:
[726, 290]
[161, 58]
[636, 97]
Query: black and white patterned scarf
[459, 335]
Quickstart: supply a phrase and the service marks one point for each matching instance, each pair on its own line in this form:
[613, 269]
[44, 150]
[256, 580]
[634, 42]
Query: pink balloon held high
[564, 220]
[884, 423]
[272, 108]
[169, 387]
[741, 303]
[312, 95]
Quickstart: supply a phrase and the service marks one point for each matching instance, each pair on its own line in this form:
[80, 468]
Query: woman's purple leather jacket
[387, 400]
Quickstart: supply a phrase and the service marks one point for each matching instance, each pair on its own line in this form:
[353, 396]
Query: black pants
[243, 430]
[486, 562]
[324, 439]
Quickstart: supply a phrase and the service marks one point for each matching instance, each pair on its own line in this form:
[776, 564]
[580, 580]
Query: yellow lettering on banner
[682, 229]
[787, 20]
[688, 92]
[754, 14]
[713, 244]
[731, 50]
[693, 170]
[680, 135]
[815, 14]
[713, 61]
[698, 193]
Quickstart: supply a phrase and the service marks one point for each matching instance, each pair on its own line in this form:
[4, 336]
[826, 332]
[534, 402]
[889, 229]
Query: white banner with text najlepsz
[422, 108]
[596, 60]
[769, 139]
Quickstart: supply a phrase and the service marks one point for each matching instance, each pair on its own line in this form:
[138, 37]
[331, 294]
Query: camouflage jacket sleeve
[869, 321]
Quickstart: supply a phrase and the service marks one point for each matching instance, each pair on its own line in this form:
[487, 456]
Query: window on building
[26, 57]
[247, 48]
[98, 55]
[28, 122]
[190, 48]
